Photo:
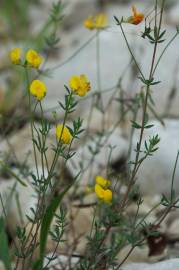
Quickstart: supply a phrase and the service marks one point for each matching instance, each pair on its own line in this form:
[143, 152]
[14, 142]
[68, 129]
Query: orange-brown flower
[137, 16]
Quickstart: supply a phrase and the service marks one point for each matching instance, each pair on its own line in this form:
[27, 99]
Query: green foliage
[111, 228]
[4, 249]
[45, 227]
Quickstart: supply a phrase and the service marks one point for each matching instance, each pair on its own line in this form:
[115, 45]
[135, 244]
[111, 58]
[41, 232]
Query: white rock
[155, 173]
[2, 266]
[10, 191]
[60, 262]
[83, 156]
[173, 230]
[173, 15]
[20, 148]
[172, 264]
[139, 254]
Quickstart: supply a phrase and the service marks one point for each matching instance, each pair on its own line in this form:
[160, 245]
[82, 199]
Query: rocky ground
[16, 144]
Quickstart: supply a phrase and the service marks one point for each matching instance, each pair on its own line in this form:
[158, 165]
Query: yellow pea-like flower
[80, 85]
[99, 191]
[107, 198]
[63, 134]
[38, 89]
[33, 59]
[105, 183]
[137, 16]
[15, 56]
[104, 195]
[99, 21]
[89, 23]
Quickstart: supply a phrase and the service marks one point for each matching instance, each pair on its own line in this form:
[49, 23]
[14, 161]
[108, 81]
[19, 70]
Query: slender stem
[74, 54]
[164, 50]
[133, 57]
[136, 167]
[98, 60]
[93, 221]
[31, 123]
[43, 142]
[173, 177]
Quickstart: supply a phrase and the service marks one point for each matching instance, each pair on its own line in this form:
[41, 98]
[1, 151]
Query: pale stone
[61, 261]
[2, 266]
[173, 15]
[10, 191]
[19, 146]
[139, 254]
[155, 173]
[173, 229]
[91, 168]
[172, 264]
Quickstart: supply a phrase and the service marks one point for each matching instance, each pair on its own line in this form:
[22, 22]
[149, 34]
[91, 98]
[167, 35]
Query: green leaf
[149, 126]
[45, 227]
[135, 125]
[117, 20]
[4, 250]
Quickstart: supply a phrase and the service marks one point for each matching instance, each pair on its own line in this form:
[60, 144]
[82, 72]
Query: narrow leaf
[4, 250]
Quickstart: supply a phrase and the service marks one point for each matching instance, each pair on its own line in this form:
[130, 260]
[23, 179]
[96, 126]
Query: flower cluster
[136, 18]
[80, 85]
[63, 134]
[38, 89]
[102, 189]
[32, 58]
[96, 22]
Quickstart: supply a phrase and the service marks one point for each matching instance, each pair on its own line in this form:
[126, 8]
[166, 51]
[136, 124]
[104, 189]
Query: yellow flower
[96, 22]
[38, 89]
[107, 196]
[89, 23]
[15, 56]
[63, 134]
[99, 191]
[136, 18]
[105, 183]
[33, 58]
[80, 85]
[101, 21]
[103, 194]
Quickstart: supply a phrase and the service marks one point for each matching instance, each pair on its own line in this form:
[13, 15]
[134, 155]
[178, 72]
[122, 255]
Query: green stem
[136, 167]
[74, 54]
[173, 177]
[31, 123]
[133, 57]
[164, 50]
[99, 101]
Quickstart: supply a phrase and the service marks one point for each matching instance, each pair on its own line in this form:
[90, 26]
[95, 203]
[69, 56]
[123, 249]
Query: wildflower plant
[64, 139]
[111, 228]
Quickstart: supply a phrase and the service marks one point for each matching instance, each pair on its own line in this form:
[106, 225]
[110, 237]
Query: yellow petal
[102, 181]
[74, 82]
[63, 134]
[38, 89]
[99, 191]
[15, 55]
[107, 196]
[101, 21]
